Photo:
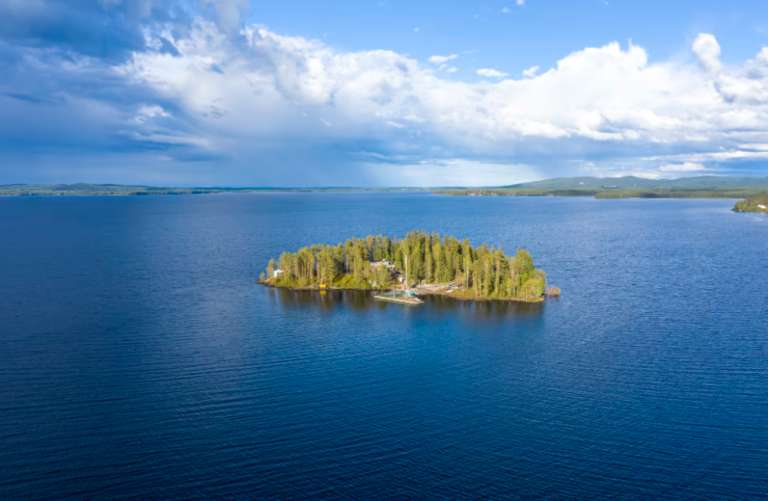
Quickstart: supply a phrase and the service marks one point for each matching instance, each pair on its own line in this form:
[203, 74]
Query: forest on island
[479, 272]
[753, 204]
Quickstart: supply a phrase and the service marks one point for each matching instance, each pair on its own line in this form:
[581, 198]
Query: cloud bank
[152, 91]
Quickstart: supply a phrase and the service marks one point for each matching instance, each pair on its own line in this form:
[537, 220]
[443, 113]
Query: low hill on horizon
[633, 182]
[119, 190]
[592, 184]
[94, 189]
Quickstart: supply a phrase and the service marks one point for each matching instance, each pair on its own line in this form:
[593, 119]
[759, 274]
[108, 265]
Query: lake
[140, 360]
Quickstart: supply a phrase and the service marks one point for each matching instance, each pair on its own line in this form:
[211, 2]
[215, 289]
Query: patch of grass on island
[425, 262]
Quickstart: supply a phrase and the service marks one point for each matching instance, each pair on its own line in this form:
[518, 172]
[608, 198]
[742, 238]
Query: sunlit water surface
[140, 360]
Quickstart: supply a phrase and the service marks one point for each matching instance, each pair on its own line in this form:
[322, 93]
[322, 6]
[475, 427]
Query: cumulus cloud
[453, 172]
[599, 95]
[685, 167]
[530, 72]
[506, 10]
[706, 47]
[442, 59]
[520, 2]
[759, 147]
[198, 88]
[488, 72]
[715, 156]
[229, 13]
[762, 57]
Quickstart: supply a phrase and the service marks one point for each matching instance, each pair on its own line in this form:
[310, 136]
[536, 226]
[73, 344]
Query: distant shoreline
[610, 194]
[699, 187]
[84, 189]
[598, 194]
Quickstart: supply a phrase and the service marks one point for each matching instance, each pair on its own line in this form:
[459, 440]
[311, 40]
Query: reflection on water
[440, 305]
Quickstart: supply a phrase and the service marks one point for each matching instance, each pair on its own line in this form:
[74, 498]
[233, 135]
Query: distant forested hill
[632, 182]
[94, 189]
[117, 189]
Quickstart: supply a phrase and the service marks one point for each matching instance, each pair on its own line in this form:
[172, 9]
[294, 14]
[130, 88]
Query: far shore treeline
[599, 188]
[477, 273]
[607, 194]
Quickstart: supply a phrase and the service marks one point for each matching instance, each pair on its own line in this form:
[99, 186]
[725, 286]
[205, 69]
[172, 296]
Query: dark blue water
[140, 360]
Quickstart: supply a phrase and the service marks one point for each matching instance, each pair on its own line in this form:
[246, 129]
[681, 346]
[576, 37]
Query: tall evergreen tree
[481, 272]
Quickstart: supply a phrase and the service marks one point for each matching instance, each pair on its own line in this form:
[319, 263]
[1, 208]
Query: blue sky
[515, 37]
[379, 93]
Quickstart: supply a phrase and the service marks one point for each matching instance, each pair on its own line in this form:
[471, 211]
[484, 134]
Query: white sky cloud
[530, 72]
[505, 10]
[442, 59]
[290, 86]
[520, 2]
[762, 57]
[706, 47]
[685, 167]
[709, 157]
[488, 72]
[453, 172]
[760, 147]
[198, 87]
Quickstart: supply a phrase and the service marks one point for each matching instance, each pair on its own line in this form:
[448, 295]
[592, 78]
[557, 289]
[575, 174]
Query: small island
[421, 263]
[758, 203]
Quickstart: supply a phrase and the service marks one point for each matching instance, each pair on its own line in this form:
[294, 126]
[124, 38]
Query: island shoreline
[416, 289]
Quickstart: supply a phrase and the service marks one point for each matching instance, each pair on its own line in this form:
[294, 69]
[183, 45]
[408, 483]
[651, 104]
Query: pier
[398, 298]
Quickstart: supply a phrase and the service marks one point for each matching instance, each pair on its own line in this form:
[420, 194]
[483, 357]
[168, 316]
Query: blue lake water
[140, 360]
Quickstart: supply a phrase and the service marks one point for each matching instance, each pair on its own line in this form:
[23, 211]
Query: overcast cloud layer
[167, 92]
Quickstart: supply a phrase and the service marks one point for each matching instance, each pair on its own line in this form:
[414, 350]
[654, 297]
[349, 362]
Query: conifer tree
[482, 272]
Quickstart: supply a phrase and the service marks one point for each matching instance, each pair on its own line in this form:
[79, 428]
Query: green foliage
[609, 193]
[533, 288]
[520, 192]
[479, 273]
[752, 203]
[680, 193]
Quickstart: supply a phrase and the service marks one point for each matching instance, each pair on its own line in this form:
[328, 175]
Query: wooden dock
[398, 299]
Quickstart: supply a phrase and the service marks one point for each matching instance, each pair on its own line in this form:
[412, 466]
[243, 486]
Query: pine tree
[431, 257]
